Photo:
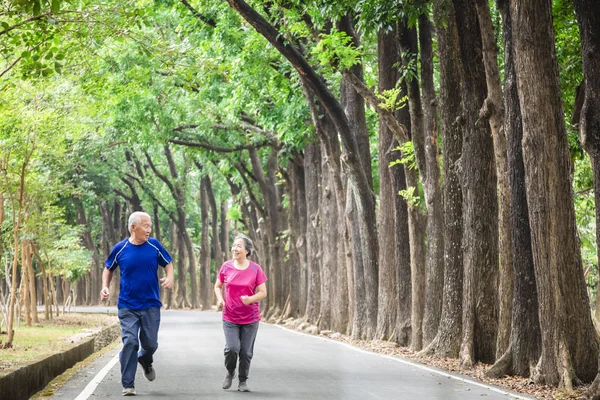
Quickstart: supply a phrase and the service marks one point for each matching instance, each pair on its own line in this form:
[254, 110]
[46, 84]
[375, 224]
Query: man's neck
[135, 241]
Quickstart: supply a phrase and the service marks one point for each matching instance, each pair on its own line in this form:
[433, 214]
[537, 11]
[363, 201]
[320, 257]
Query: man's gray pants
[239, 341]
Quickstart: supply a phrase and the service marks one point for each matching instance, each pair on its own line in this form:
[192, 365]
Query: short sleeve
[221, 275]
[111, 262]
[260, 276]
[164, 258]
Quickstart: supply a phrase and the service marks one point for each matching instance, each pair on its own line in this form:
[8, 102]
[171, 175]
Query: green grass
[48, 337]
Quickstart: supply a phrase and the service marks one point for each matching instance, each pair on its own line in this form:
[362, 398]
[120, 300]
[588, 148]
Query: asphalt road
[286, 365]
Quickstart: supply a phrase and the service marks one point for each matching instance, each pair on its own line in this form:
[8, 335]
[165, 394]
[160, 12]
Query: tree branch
[219, 149]
[208, 21]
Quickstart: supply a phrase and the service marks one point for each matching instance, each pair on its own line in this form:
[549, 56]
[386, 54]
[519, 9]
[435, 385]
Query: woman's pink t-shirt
[241, 283]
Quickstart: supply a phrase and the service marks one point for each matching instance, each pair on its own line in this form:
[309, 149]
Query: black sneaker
[227, 380]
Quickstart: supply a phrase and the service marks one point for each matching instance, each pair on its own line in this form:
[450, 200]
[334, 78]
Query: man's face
[142, 231]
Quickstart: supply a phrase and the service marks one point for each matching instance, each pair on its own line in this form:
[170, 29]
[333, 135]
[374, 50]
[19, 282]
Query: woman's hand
[220, 303]
[246, 300]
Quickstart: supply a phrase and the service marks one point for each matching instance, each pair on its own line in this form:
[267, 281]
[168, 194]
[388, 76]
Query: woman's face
[239, 250]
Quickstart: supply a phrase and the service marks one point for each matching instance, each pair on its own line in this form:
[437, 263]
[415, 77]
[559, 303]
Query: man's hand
[104, 293]
[167, 282]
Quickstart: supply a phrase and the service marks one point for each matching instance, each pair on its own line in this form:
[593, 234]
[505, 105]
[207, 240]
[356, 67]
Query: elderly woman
[244, 282]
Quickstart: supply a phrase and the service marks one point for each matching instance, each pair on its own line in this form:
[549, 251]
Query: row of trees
[406, 169]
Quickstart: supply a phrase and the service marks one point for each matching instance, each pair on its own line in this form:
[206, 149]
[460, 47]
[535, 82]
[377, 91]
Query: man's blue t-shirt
[139, 272]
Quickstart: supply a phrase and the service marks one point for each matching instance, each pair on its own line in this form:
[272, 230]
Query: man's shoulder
[154, 241]
[121, 244]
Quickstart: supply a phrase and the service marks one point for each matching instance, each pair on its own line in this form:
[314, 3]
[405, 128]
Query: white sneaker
[129, 391]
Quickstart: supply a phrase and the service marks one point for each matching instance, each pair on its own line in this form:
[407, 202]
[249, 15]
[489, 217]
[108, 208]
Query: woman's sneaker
[243, 387]
[227, 380]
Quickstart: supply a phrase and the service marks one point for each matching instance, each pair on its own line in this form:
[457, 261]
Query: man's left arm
[167, 281]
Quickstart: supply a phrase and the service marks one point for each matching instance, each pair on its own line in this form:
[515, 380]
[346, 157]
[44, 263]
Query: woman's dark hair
[247, 243]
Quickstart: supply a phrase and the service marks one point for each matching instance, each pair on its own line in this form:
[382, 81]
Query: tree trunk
[214, 223]
[388, 56]
[24, 287]
[493, 110]
[524, 344]
[224, 231]
[432, 189]
[569, 341]
[28, 263]
[312, 168]
[46, 292]
[588, 18]
[205, 284]
[297, 225]
[480, 203]
[448, 338]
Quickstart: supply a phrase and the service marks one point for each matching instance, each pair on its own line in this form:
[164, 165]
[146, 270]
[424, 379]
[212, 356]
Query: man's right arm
[106, 278]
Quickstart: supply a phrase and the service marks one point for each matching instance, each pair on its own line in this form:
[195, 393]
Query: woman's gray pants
[239, 341]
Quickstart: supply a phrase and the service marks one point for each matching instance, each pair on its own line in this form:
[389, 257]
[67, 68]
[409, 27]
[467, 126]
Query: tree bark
[448, 338]
[388, 56]
[205, 283]
[588, 18]
[524, 344]
[480, 203]
[312, 168]
[569, 341]
[432, 189]
[214, 224]
[493, 110]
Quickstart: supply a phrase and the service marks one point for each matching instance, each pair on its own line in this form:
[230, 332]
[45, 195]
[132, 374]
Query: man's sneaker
[243, 387]
[129, 391]
[149, 372]
[227, 380]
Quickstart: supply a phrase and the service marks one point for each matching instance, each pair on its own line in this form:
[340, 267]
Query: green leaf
[55, 6]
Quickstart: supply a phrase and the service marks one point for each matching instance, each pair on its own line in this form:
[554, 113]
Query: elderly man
[138, 258]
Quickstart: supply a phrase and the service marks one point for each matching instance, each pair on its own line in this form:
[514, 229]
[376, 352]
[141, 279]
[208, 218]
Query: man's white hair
[136, 218]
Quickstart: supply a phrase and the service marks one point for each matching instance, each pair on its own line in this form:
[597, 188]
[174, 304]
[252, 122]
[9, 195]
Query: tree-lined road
[286, 365]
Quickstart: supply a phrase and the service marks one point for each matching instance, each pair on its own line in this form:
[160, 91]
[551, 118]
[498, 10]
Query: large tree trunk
[364, 232]
[297, 226]
[588, 18]
[524, 344]
[312, 168]
[388, 56]
[205, 283]
[416, 223]
[432, 189]
[448, 338]
[569, 340]
[493, 110]
[480, 203]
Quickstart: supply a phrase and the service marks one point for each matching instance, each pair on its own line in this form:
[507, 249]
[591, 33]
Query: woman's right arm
[219, 293]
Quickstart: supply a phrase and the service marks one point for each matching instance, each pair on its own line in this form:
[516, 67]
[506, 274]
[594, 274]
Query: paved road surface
[286, 365]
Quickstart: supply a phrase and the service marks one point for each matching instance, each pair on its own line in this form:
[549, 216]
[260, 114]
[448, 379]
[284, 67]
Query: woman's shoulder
[255, 266]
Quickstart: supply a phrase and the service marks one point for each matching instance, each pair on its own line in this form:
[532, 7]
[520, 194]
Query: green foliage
[392, 100]
[410, 197]
[408, 155]
[337, 50]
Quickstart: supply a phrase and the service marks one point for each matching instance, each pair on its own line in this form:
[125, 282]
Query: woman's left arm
[261, 293]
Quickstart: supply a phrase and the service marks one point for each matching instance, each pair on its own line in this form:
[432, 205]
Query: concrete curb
[24, 381]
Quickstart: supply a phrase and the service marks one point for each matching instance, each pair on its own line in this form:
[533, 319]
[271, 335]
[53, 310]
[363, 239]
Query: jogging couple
[138, 258]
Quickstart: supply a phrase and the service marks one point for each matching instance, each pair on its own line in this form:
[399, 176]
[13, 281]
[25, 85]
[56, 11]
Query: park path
[286, 365]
